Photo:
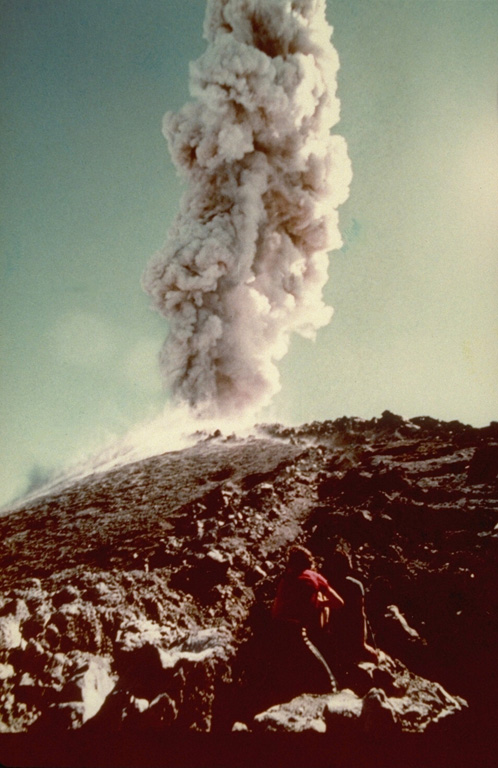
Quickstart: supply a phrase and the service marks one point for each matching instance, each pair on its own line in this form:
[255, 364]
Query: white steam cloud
[246, 259]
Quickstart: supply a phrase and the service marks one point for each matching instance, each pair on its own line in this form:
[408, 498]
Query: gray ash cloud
[246, 258]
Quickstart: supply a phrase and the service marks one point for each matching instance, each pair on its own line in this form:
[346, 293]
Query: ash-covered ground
[135, 623]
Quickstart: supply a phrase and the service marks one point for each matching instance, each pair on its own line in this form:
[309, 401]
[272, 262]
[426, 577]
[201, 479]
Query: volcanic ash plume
[246, 260]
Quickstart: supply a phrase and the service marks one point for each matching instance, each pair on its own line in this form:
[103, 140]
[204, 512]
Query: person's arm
[335, 600]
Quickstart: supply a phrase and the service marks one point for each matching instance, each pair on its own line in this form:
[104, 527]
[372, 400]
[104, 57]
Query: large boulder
[303, 714]
[175, 684]
[10, 633]
[83, 696]
[397, 701]
[312, 713]
[483, 467]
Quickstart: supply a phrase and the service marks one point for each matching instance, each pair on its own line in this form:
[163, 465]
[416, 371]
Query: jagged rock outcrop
[82, 696]
[139, 600]
[396, 700]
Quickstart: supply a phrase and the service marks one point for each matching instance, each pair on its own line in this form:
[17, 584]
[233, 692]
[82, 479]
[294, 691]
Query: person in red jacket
[304, 597]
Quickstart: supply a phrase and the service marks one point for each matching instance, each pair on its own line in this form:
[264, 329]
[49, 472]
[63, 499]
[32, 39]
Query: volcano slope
[135, 605]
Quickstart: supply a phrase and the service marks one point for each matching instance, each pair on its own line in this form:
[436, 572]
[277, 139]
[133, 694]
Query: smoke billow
[246, 259]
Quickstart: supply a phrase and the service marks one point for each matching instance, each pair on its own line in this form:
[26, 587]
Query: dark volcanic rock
[138, 601]
[413, 706]
[483, 466]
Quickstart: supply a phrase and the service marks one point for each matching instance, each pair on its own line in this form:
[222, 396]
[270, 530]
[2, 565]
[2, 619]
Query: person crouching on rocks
[302, 608]
[304, 596]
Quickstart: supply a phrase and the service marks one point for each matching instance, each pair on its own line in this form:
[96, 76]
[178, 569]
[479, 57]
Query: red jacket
[296, 598]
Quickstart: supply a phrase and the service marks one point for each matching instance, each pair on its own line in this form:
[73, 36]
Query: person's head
[300, 559]
[340, 563]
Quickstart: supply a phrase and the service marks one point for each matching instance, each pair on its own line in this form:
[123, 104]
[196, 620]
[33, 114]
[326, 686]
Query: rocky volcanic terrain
[135, 623]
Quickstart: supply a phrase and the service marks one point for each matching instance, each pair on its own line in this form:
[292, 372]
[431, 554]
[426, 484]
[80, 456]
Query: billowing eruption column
[246, 260]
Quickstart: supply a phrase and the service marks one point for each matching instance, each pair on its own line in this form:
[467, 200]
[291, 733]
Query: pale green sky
[89, 192]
